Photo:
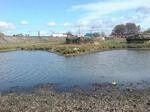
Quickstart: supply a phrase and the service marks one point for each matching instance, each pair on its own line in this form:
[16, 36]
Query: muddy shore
[99, 98]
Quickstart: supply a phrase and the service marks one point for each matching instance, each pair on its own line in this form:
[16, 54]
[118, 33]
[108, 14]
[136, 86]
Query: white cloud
[67, 24]
[5, 26]
[106, 14]
[83, 23]
[24, 22]
[51, 24]
[110, 6]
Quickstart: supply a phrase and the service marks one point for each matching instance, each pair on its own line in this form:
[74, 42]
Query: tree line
[128, 28]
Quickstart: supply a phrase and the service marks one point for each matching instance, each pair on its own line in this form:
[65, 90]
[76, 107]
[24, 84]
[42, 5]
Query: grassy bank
[59, 46]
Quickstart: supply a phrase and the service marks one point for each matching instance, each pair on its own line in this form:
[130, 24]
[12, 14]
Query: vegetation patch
[59, 45]
[78, 40]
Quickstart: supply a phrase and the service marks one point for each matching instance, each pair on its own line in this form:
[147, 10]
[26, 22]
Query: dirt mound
[2, 40]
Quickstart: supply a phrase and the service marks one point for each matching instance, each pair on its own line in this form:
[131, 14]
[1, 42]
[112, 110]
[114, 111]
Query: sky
[58, 16]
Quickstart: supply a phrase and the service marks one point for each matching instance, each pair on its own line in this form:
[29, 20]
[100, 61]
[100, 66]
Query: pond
[29, 68]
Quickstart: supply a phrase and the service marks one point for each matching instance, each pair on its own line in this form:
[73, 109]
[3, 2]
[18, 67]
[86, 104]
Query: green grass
[59, 46]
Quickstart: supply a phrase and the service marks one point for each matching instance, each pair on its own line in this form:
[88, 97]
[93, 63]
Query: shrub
[78, 40]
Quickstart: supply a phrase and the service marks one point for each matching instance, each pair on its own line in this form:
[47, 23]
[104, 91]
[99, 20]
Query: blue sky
[23, 16]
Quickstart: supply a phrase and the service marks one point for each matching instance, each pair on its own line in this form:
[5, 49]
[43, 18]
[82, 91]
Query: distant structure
[27, 35]
[18, 35]
[39, 34]
[97, 35]
[88, 35]
[59, 35]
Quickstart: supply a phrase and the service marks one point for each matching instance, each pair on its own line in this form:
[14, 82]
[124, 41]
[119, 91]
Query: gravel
[99, 98]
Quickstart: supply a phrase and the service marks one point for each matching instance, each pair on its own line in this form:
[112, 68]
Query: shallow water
[28, 68]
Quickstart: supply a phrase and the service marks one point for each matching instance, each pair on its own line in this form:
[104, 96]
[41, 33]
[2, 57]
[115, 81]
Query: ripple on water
[28, 68]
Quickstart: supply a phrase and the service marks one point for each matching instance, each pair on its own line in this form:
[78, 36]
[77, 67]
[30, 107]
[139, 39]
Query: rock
[148, 103]
[106, 99]
[114, 83]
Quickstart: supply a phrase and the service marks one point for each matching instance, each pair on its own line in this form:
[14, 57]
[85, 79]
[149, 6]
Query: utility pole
[79, 31]
[29, 32]
[38, 33]
[92, 29]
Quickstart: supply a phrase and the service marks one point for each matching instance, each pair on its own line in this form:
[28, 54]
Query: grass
[59, 46]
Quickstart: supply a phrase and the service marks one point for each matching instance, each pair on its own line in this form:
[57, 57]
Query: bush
[78, 40]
